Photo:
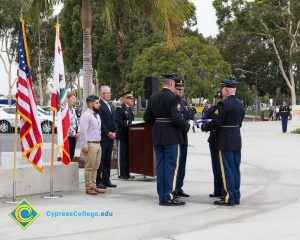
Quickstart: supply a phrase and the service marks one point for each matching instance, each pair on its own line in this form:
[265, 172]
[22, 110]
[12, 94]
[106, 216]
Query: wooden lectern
[141, 153]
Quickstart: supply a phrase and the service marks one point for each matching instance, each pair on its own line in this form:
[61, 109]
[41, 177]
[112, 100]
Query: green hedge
[296, 131]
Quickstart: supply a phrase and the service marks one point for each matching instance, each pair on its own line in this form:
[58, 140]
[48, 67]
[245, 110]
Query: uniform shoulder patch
[178, 107]
[216, 112]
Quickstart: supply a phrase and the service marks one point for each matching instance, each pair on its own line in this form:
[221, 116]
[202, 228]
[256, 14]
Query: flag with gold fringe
[59, 102]
[30, 128]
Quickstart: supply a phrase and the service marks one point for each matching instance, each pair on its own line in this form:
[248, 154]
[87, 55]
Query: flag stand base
[14, 200]
[51, 191]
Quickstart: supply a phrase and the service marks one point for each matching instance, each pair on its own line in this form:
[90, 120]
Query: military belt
[230, 126]
[163, 120]
[284, 111]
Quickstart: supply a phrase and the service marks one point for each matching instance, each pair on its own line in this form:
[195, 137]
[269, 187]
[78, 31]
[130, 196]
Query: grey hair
[103, 88]
[167, 81]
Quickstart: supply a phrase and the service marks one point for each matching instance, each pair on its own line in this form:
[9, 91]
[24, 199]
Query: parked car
[7, 120]
[3, 105]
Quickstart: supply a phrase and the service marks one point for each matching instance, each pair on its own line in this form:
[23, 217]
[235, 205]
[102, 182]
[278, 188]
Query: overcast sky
[206, 25]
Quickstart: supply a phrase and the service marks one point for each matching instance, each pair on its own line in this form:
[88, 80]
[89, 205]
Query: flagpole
[52, 157]
[51, 196]
[14, 176]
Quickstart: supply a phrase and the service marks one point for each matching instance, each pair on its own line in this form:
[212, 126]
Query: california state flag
[59, 102]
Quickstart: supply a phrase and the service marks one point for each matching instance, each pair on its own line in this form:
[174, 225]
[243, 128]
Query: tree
[166, 17]
[271, 25]
[41, 46]
[71, 38]
[9, 19]
[200, 64]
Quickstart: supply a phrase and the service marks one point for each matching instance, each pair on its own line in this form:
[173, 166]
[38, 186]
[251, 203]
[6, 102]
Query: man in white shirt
[90, 137]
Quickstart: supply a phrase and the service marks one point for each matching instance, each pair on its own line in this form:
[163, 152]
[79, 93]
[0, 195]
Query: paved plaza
[270, 203]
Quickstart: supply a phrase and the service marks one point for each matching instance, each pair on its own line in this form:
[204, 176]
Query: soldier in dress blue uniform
[186, 113]
[124, 117]
[284, 112]
[227, 121]
[163, 112]
[214, 153]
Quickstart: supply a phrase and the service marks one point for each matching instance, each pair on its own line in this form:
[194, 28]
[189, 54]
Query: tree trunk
[7, 65]
[47, 94]
[40, 85]
[293, 96]
[79, 89]
[10, 85]
[87, 50]
[97, 88]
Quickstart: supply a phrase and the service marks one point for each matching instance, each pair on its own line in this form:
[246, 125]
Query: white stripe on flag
[22, 74]
[23, 104]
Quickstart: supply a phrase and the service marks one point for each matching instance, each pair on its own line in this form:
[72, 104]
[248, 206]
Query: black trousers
[72, 145]
[123, 164]
[103, 172]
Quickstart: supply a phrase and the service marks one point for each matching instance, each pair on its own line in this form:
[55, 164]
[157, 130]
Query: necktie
[109, 108]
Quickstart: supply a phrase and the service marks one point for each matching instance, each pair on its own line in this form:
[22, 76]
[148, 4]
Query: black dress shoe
[221, 202]
[101, 186]
[213, 195]
[176, 195]
[109, 184]
[131, 176]
[123, 177]
[183, 194]
[174, 202]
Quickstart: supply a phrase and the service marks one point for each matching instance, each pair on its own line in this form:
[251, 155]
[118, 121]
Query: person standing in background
[284, 112]
[73, 133]
[124, 117]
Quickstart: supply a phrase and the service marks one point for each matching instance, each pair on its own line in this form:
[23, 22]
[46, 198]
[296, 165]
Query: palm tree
[167, 18]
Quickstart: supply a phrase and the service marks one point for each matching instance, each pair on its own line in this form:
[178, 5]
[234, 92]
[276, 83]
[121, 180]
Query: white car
[7, 120]
[3, 105]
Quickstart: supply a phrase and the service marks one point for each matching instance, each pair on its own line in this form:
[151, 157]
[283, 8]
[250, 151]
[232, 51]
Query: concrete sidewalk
[270, 206]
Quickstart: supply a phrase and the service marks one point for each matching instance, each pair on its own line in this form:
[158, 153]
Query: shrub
[296, 131]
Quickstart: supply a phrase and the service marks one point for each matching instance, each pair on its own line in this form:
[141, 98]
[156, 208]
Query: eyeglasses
[106, 93]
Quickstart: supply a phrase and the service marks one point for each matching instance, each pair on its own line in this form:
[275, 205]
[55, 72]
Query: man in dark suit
[124, 117]
[163, 112]
[108, 135]
[227, 121]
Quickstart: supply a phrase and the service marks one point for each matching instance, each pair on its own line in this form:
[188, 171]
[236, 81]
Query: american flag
[30, 128]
